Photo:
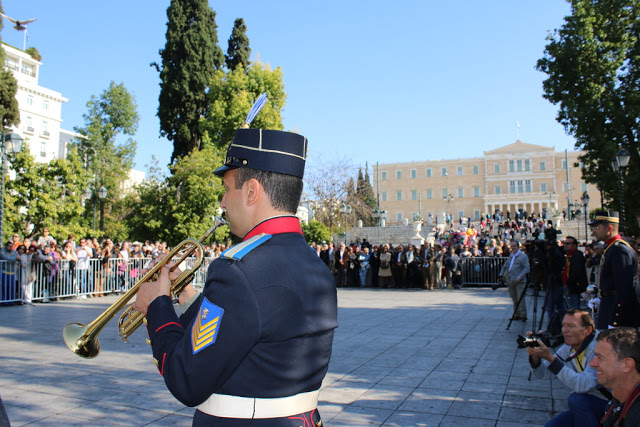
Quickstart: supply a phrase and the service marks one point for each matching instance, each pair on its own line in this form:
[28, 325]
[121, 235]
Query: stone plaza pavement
[400, 358]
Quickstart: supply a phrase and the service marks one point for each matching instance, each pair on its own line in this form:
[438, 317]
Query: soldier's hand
[149, 291]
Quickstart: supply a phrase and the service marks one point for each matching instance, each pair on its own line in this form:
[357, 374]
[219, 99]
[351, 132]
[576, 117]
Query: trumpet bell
[75, 336]
[83, 340]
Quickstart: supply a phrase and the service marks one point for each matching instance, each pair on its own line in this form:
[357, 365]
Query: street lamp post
[11, 143]
[379, 215]
[102, 193]
[448, 199]
[346, 210]
[585, 204]
[620, 163]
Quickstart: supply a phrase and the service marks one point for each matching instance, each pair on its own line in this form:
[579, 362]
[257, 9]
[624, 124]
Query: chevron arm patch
[206, 326]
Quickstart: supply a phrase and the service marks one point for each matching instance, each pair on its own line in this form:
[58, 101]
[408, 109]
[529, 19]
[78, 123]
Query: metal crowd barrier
[42, 284]
[481, 270]
[94, 278]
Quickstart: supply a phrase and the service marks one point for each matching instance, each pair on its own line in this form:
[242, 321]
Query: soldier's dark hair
[625, 342]
[585, 317]
[284, 191]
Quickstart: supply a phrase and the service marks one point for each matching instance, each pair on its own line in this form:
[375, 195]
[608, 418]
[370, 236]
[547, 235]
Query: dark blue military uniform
[262, 328]
[619, 305]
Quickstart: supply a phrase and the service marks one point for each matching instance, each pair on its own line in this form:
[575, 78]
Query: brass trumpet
[83, 339]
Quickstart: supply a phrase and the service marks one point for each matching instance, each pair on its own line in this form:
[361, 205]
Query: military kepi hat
[266, 150]
[603, 216]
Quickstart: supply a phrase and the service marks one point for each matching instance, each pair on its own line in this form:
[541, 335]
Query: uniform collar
[614, 238]
[276, 225]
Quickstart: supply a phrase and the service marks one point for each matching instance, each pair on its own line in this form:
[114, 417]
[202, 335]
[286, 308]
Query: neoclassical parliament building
[519, 176]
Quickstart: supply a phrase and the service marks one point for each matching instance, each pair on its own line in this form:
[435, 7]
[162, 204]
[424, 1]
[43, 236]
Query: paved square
[400, 358]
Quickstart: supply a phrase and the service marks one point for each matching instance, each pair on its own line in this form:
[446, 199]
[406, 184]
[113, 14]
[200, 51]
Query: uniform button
[156, 362]
[148, 341]
[144, 320]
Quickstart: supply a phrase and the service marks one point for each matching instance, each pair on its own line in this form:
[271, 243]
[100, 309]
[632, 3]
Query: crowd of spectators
[436, 264]
[439, 262]
[35, 268]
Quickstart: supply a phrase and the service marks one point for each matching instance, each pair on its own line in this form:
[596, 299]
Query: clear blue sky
[368, 81]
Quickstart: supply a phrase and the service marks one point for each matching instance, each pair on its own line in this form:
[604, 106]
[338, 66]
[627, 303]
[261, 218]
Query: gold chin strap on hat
[607, 218]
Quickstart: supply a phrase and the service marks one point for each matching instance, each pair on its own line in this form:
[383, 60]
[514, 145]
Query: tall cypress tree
[365, 196]
[239, 51]
[9, 112]
[368, 196]
[189, 60]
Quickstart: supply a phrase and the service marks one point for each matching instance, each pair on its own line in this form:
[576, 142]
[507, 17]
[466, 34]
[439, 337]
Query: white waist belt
[223, 405]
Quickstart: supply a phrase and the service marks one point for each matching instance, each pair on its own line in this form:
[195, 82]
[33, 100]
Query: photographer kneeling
[570, 365]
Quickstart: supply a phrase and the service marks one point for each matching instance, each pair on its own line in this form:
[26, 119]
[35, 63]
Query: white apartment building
[40, 108]
[41, 113]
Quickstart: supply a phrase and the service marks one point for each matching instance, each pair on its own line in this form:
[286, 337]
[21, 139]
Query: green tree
[231, 96]
[366, 199]
[315, 231]
[45, 195]
[182, 205]
[593, 68]
[106, 151]
[9, 112]
[189, 60]
[33, 52]
[239, 51]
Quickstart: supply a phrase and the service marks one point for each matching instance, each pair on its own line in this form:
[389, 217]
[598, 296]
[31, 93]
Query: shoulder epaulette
[241, 249]
[624, 242]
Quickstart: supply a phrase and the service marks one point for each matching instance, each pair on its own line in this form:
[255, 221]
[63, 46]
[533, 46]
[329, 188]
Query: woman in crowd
[374, 263]
[435, 267]
[104, 255]
[68, 267]
[49, 260]
[427, 259]
[414, 270]
[123, 265]
[26, 276]
[384, 273]
[363, 259]
[353, 267]
[55, 274]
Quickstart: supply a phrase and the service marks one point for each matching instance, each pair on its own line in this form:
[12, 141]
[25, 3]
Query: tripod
[536, 294]
[548, 299]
